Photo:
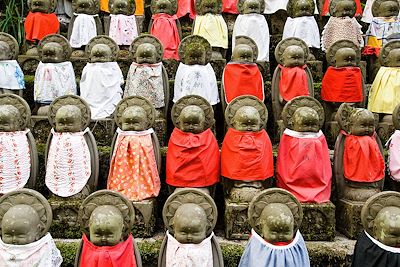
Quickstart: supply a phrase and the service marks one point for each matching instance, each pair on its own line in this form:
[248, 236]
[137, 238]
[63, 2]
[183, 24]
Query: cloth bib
[367, 14]
[394, 156]
[123, 29]
[293, 82]
[11, 75]
[305, 28]
[37, 25]
[165, 29]
[84, 29]
[378, 32]
[213, 28]
[229, 6]
[186, 7]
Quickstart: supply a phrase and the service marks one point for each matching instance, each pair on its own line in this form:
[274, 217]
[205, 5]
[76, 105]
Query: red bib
[193, 160]
[230, 6]
[186, 7]
[342, 85]
[122, 254]
[247, 156]
[303, 167]
[242, 79]
[165, 29]
[325, 9]
[293, 82]
[37, 25]
[362, 159]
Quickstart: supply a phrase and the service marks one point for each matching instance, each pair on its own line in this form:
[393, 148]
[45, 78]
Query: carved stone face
[252, 6]
[303, 8]
[134, 119]
[209, 6]
[190, 224]
[247, 119]
[52, 53]
[43, 6]
[362, 123]
[121, 7]
[192, 119]
[387, 226]
[20, 225]
[69, 119]
[101, 53]
[293, 56]
[345, 57]
[389, 9]
[5, 51]
[9, 118]
[105, 226]
[242, 53]
[394, 58]
[195, 54]
[306, 119]
[345, 8]
[163, 6]
[84, 6]
[277, 223]
[146, 54]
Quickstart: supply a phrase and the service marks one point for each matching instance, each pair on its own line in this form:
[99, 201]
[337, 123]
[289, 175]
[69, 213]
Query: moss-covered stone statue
[292, 77]
[195, 75]
[272, 6]
[210, 24]
[242, 76]
[301, 22]
[101, 80]
[85, 23]
[378, 244]
[25, 219]
[275, 216]
[193, 158]
[248, 145]
[190, 216]
[135, 161]
[383, 95]
[165, 26]
[11, 75]
[106, 218]
[359, 167]
[19, 164]
[55, 74]
[342, 25]
[252, 23]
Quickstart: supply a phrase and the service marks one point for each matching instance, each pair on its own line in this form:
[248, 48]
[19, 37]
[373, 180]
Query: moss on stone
[232, 254]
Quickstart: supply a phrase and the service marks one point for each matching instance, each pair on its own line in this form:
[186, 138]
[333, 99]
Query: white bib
[11, 75]
[83, 31]
[123, 29]
[305, 28]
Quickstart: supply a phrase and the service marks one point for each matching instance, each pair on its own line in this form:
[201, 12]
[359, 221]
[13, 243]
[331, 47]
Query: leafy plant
[11, 18]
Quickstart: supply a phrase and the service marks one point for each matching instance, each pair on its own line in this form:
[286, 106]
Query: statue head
[293, 56]
[52, 52]
[106, 224]
[162, 6]
[277, 223]
[306, 119]
[123, 7]
[146, 54]
[5, 51]
[389, 8]
[9, 118]
[68, 119]
[242, 53]
[101, 53]
[20, 225]
[345, 57]
[195, 54]
[362, 122]
[252, 6]
[247, 119]
[386, 228]
[302, 8]
[393, 58]
[43, 6]
[192, 119]
[343, 8]
[190, 224]
[86, 6]
[134, 118]
[208, 6]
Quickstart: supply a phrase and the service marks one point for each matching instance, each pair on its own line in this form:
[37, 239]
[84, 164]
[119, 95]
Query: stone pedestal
[348, 217]
[236, 220]
[332, 130]
[40, 128]
[315, 67]
[160, 128]
[65, 218]
[170, 65]
[145, 213]
[103, 131]
[318, 221]
[218, 66]
[264, 67]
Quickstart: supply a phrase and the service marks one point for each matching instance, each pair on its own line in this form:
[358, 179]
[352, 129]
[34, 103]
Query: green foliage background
[12, 13]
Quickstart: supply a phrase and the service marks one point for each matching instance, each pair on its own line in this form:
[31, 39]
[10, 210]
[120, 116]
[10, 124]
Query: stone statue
[342, 25]
[291, 77]
[193, 158]
[345, 6]
[242, 76]
[101, 80]
[210, 24]
[11, 75]
[85, 23]
[25, 217]
[195, 75]
[301, 22]
[55, 74]
[19, 164]
[190, 216]
[72, 160]
[164, 25]
[248, 145]
[393, 146]
[272, 6]
[106, 219]
[41, 20]
[275, 216]
[252, 23]
[380, 217]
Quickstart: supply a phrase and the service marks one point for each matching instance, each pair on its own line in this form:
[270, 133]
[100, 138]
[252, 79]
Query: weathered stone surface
[318, 221]
[316, 70]
[28, 64]
[103, 131]
[145, 213]
[236, 220]
[65, 218]
[218, 66]
[348, 218]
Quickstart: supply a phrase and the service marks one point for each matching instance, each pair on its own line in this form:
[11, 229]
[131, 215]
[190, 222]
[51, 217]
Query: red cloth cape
[293, 82]
[242, 79]
[37, 25]
[342, 85]
[325, 9]
[230, 6]
[247, 156]
[362, 159]
[165, 29]
[122, 254]
[303, 168]
[193, 160]
[186, 7]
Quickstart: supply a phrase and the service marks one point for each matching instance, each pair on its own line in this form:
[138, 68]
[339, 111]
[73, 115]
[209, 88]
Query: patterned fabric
[11, 75]
[394, 155]
[379, 30]
[305, 28]
[15, 160]
[213, 28]
[146, 80]
[367, 14]
[53, 80]
[84, 29]
[123, 29]
[68, 163]
[41, 253]
[133, 167]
